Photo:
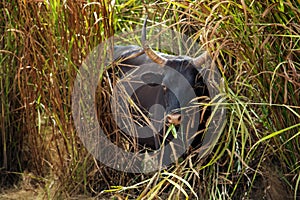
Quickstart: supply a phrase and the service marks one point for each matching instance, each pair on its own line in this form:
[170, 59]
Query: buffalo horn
[200, 60]
[149, 52]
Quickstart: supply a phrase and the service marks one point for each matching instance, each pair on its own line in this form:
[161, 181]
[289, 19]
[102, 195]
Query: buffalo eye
[152, 79]
[164, 88]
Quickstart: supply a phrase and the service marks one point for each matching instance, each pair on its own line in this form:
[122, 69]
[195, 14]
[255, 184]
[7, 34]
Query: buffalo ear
[152, 79]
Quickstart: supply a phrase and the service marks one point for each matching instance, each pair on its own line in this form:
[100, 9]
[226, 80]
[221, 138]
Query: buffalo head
[165, 85]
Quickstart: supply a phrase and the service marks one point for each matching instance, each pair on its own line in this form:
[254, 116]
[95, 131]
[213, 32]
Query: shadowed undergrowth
[255, 45]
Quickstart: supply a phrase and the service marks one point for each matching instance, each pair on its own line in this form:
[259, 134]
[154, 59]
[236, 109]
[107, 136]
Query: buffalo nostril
[169, 118]
[174, 119]
[179, 118]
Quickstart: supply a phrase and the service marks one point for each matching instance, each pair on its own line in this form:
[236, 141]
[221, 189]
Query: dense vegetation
[256, 45]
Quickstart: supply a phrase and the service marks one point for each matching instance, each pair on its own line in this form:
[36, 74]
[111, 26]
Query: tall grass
[255, 45]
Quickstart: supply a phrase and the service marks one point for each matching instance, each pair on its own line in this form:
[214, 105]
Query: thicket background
[256, 45]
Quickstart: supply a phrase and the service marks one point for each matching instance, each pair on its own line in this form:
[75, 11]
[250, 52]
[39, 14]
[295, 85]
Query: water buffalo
[164, 89]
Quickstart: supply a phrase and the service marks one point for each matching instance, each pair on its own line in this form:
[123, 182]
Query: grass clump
[255, 45]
